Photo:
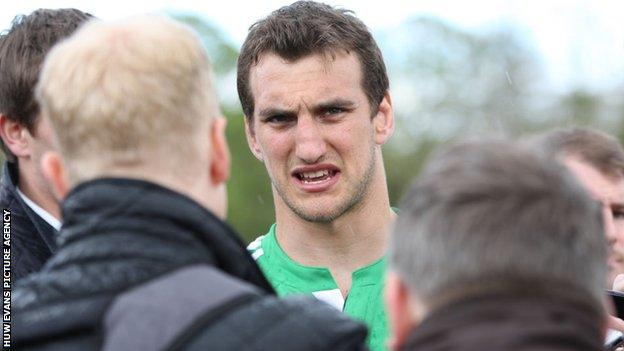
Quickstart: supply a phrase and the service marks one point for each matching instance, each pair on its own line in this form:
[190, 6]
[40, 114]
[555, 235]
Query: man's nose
[309, 140]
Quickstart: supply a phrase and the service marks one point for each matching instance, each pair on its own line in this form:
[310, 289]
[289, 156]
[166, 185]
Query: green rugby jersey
[365, 299]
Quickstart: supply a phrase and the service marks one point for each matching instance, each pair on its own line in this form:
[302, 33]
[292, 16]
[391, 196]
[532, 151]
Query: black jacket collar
[126, 231]
[135, 208]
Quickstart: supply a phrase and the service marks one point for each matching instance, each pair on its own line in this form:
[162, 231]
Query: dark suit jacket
[32, 238]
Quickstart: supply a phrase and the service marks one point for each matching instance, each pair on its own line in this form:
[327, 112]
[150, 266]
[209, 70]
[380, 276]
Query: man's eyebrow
[617, 206]
[318, 108]
[272, 111]
[336, 103]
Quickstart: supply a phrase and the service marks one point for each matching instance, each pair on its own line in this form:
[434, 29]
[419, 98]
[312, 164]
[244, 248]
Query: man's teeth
[314, 175]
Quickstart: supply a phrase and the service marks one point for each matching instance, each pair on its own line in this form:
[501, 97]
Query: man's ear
[220, 158]
[15, 136]
[384, 120]
[55, 173]
[400, 310]
[251, 139]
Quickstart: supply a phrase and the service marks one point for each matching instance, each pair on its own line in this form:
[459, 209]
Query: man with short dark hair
[314, 90]
[35, 214]
[496, 249]
[597, 160]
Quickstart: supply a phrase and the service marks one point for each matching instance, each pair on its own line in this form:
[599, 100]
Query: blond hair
[127, 93]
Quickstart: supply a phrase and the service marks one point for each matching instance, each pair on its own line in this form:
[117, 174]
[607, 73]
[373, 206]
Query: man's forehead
[274, 64]
[276, 80]
[603, 187]
[324, 56]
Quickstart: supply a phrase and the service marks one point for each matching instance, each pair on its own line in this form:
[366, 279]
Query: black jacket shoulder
[300, 323]
[32, 239]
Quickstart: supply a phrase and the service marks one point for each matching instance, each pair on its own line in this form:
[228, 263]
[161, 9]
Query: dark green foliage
[250, 208]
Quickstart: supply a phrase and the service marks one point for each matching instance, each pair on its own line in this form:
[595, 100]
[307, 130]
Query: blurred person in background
[25, 136]
[314, 90]
[145, 260]
[597, 160]
[496, 249]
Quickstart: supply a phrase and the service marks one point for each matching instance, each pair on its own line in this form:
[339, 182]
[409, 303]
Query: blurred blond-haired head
[128, 94]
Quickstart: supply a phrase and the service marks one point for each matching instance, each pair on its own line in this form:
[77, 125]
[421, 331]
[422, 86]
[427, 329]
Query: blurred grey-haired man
[496, 248]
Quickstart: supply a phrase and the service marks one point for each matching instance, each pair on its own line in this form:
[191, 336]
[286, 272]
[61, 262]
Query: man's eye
[278, 119]
[333, 111]
[618, 214]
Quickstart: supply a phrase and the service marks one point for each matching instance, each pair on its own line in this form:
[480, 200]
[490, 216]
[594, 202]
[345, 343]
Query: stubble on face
[354, 196]
[287, 91]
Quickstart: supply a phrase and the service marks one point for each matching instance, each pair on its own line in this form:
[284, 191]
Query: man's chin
[319, 208]
[316, 216]
[319, 212]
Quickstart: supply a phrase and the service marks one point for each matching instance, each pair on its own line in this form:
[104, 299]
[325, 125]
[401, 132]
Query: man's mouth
[316, 176]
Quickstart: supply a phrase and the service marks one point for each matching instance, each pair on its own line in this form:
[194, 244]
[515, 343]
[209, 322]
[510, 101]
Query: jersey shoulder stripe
[255, 248]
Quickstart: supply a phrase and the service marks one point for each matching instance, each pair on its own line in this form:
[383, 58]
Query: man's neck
[354, 240]
[212, 197]
[34, 189]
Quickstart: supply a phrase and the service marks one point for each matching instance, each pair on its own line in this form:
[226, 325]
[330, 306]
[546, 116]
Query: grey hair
[484, 212]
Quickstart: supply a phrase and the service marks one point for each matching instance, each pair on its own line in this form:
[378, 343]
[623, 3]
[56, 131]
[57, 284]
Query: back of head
[22, 51]
[306, 28]
[596, 148]
[129, 94]
[485, 216]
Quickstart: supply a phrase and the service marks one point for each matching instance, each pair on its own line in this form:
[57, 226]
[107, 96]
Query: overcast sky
[580, 41]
